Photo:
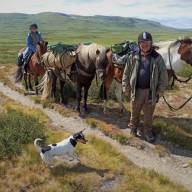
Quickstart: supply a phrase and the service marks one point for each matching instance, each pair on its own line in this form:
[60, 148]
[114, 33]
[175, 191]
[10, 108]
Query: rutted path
[172, 167]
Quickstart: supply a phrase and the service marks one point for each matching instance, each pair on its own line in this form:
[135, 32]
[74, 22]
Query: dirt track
[170, 166]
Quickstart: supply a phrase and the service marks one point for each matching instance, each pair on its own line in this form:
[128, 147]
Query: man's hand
[160, 94]
[125, 91]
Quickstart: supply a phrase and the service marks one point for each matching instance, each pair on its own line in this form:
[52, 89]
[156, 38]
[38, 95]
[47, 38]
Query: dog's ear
[82, 130]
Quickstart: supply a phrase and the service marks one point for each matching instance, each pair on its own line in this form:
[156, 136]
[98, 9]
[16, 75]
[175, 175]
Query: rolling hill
[60, 27]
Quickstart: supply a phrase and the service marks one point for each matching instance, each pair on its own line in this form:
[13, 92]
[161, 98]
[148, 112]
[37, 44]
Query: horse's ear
[108, 49]
[97, 52]
[46, 43]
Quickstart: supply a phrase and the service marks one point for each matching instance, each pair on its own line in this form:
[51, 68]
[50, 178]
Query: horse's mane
[186, 40]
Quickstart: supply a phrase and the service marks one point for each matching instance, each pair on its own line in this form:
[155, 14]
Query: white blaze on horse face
[176, 62]
[72, 53]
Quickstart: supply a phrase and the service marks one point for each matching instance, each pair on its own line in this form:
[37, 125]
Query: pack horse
[85, 60]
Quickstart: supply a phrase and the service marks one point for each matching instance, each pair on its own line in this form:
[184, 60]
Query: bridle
[177, 79]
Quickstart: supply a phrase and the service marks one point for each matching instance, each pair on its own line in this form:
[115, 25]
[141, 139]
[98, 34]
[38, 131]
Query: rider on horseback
[33, 38]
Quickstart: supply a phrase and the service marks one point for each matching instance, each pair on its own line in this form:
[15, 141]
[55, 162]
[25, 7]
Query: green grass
[186, 71]
[174, 133]
[72, 30]
[16, 129]
[100, 165]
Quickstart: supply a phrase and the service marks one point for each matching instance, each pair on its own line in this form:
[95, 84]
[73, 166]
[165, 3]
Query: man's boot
[134, 132]
[149, 137]
[25, 63]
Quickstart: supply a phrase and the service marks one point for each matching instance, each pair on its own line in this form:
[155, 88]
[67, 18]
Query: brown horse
[114, 71]
[34, 68]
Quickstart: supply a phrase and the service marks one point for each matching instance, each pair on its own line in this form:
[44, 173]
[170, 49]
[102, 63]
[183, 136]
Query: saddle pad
[60, 48]
[124, 48]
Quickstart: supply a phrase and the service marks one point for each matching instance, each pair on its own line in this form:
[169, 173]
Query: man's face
[34, 30]
[145, 46]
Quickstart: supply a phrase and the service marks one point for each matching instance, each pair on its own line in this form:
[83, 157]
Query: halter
[176, 78]
[171, 67]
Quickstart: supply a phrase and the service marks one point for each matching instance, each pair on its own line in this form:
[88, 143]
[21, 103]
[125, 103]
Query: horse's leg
[86, 89]
[36, 84]
[30, 84]
[106, 85]
[25, 79]
[54, 85]
[62, 83]
[119, 96]
[79, 89]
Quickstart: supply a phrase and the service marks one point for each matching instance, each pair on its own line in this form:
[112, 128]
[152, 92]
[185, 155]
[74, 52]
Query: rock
[185, 165]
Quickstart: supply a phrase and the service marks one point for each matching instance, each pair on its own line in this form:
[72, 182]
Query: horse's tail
[19, 74]
[46, 85]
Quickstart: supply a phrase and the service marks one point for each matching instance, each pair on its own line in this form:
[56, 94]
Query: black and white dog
[63, 149]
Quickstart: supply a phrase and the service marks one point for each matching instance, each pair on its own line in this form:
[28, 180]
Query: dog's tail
[37, 145]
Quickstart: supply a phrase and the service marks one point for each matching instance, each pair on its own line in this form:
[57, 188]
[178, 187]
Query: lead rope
[178, 108]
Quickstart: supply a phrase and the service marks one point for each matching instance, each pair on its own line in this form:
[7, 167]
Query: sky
[176, 13]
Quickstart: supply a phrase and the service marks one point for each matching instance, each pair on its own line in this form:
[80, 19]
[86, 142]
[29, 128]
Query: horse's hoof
[78, 109]
[85, 109]
[31, 89]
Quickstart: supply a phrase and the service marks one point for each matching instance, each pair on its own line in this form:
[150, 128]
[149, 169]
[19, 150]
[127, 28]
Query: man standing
[145, 77]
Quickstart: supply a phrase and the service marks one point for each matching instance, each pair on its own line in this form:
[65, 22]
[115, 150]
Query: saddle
[122, 51]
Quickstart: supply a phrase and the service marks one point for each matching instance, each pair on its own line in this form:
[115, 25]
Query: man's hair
[34, 25]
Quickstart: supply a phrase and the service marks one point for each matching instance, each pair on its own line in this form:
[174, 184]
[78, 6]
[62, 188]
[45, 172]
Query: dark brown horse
[34, 68]
[91, 60]
[113, 71]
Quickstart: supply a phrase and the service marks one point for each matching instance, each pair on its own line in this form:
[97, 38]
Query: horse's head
[42, 47]
[185, 50]
[69, 58]
[101, 62]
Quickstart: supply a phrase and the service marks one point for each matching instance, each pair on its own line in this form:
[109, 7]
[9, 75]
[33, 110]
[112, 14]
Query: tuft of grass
[173, 133]
[16, 129]
[18, 125]
[108, 130]
[186, 71]
[14, 107]
[92, 123]
[5, 75]
[161, 151]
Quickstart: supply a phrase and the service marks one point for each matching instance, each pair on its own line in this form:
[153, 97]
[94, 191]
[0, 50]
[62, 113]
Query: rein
[178, 108]
[180, 81]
